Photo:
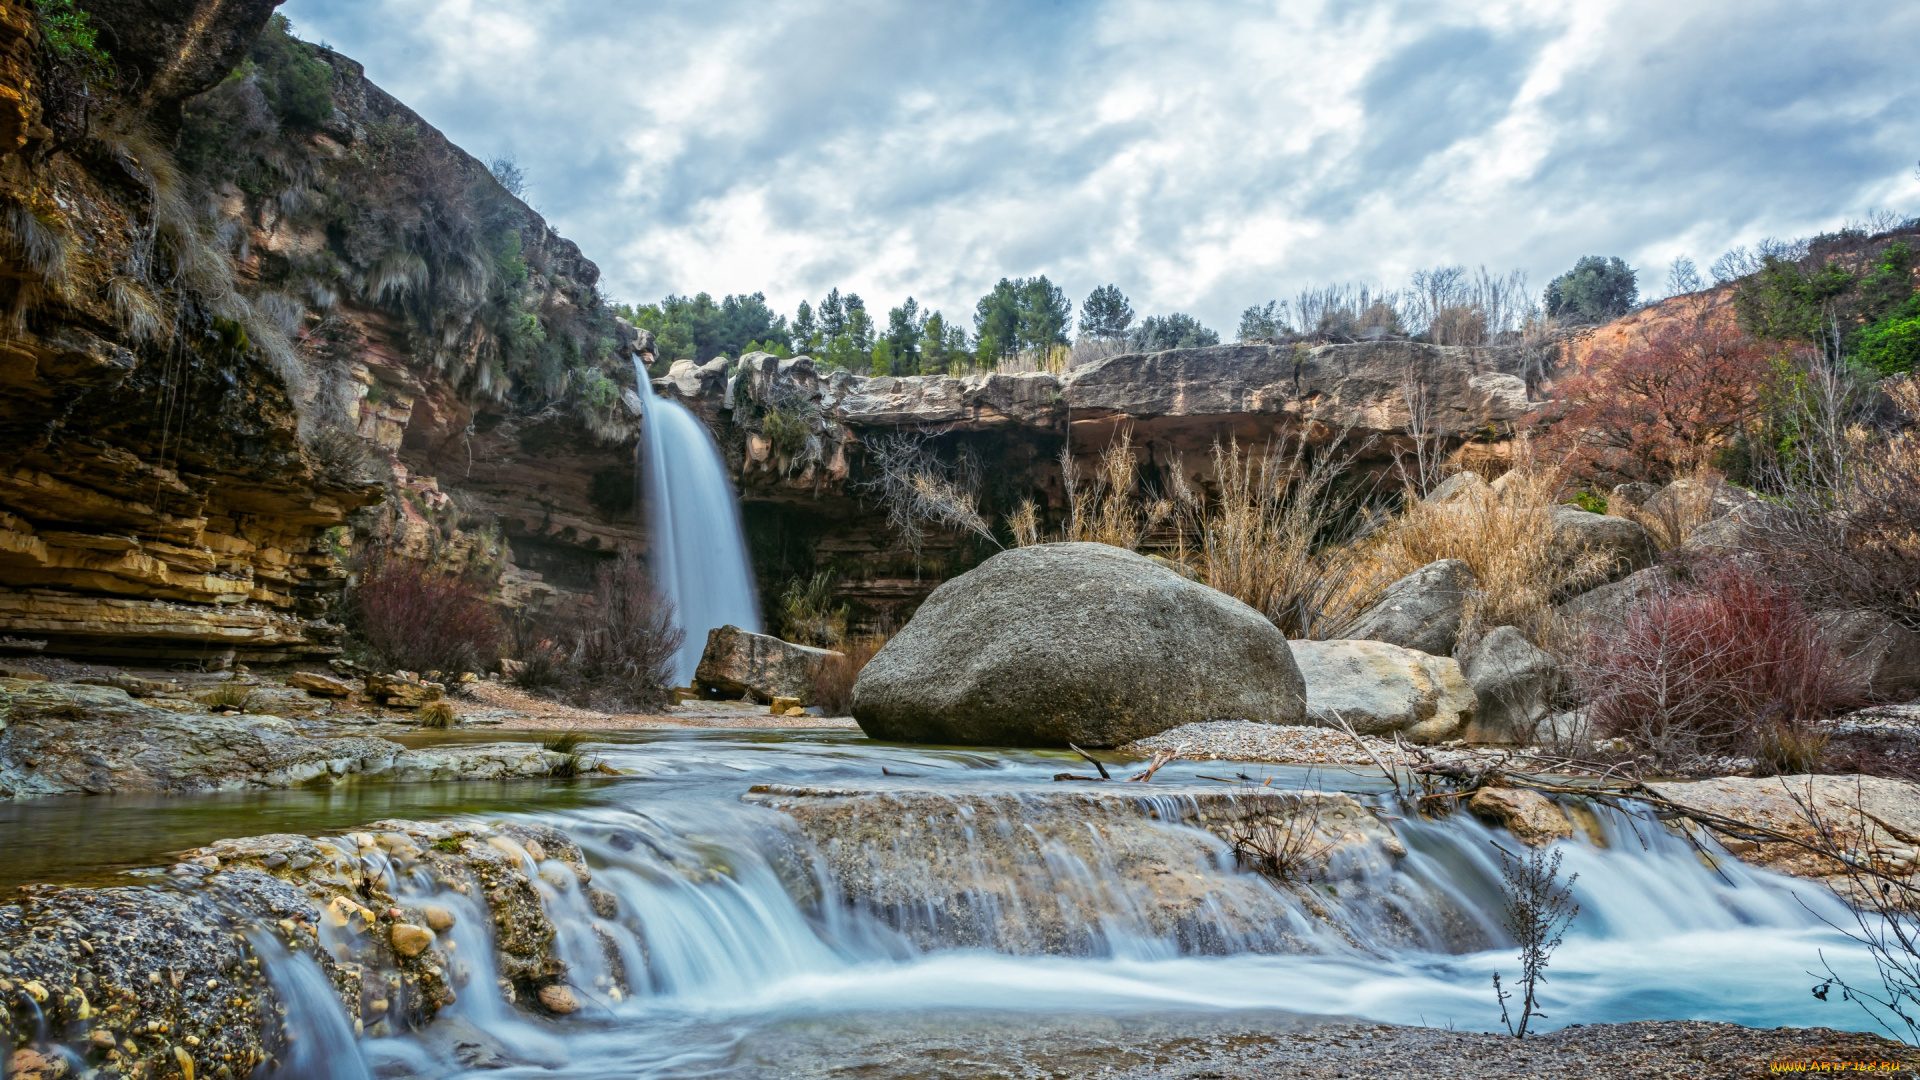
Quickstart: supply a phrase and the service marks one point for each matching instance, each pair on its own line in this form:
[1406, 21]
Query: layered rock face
[808, 492]
[208, 378]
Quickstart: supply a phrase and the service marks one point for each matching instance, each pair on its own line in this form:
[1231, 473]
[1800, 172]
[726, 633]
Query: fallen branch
[1160, 757]
[1096, 762]
[1392, 777]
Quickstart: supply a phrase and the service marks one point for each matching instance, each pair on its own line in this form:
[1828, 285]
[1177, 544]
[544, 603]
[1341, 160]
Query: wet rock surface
[1081, 643]
[984, 870]
[188, 977]
[70, 739]
[1873, 817]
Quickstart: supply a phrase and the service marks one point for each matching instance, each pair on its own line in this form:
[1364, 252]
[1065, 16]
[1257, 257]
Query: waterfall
[697, 548]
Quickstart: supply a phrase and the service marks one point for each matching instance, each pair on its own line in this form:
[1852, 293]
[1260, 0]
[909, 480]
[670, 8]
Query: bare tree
[920, 490]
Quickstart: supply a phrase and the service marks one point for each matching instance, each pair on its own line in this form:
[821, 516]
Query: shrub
[412, 617]
[1664, 405]
[1853, 542]
[833, 682]
[625, 639]
[1727, 664]
[438, 715]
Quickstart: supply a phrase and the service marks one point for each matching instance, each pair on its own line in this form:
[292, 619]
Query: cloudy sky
[1204, 155]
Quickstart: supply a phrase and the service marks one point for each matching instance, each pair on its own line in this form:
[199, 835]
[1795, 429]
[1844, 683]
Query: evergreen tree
[1264, 322]
[833, 316]
[1175, 331]
[806, 332]
[859, 325]
[1595, 290]
[1105, 314]
[904, 327]
[1045, 313]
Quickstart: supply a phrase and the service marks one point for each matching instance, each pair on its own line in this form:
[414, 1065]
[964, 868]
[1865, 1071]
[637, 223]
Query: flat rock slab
[1872, 814]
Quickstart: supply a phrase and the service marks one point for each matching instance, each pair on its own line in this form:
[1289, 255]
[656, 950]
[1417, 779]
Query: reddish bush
[412, 617]
[1727, 664]
[833, 682]
[1664, 406]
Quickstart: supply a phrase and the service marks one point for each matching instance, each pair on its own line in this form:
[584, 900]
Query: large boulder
[740, 663]
[1880, 657]
[1081, 643]
[1621, 546]
[1513, 682]
[1420, 611]
[1379, 689]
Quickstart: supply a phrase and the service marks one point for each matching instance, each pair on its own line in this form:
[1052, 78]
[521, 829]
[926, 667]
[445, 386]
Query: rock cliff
[253, 307]
[801, 440]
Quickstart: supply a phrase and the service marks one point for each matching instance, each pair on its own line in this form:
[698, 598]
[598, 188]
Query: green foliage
[293, 78]
[786, 428]
[698, 329]
[808, 615]
[1175, 331]
[1892, 346]
[507, 260]
[1105, 314]
[1263, 323]
[71, 38]
[1591, 501]
[1595, 290]
[598, 390]
[905, 326]
[1783, 302]
[1022, 313]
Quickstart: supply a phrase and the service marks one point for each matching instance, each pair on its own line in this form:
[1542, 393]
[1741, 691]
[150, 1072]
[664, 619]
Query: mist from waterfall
[696, 546]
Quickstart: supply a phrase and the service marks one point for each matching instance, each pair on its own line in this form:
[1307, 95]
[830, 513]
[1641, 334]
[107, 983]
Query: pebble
[411, 940]
[559, 999]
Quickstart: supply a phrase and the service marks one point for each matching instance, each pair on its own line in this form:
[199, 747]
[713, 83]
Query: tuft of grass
[228, 695]
[573, 761]
[438, 715]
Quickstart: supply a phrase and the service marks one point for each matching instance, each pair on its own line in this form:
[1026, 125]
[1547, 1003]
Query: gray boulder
[1611, 603]
[1081, 643]
[1880, 657]
[1631, 496]
[739, 663]
[1420, 611]
[1622, 545]
[1513, 682]
[1379, 689]
[1460, 487]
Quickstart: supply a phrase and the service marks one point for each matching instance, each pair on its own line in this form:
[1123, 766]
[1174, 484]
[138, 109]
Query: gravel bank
[1244, 740]
[1191, 1048]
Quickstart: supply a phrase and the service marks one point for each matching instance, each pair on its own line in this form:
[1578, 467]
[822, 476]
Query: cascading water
[839, 899]
[697, 548]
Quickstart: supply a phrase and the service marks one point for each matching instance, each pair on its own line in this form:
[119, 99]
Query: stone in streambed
[737, 662]
[1081, 643]
[1531, 817]
[320, 685]
[411, 940]
[1380, 689]
[559, 1000]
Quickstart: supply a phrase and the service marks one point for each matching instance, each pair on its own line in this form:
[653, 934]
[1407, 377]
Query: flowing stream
[698, 551]
[781, 895]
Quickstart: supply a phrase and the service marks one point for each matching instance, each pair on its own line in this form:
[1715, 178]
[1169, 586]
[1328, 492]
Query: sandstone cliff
[253, 306]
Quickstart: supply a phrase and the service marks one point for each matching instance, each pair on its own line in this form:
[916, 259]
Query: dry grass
[1272, 539]
[1504, 533]
[1671, 517]
[437, 715]
[228, 695]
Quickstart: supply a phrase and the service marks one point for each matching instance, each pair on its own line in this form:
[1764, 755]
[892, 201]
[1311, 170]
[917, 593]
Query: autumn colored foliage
[1663, 406]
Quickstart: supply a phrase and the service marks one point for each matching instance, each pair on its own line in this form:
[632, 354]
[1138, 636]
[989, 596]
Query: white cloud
[1202, 154]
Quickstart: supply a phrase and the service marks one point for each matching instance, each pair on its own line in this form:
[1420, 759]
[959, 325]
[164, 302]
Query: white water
[732, 929]
[697, 548]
